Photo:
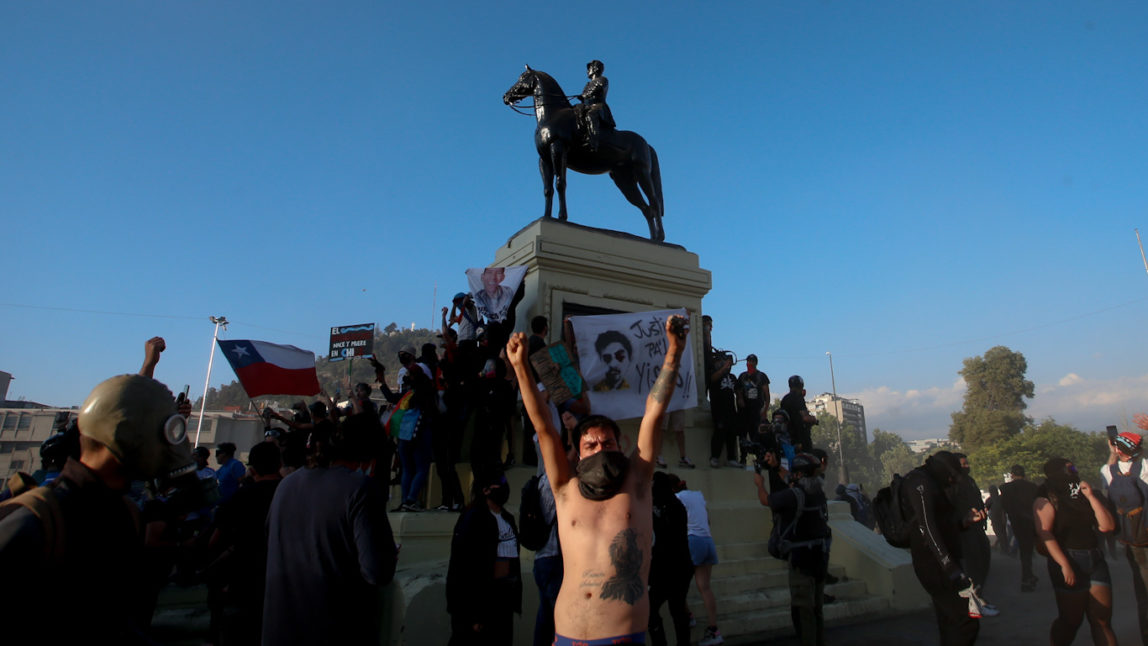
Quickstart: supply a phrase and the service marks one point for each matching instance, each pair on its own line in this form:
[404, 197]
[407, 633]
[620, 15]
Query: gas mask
[135, 417]
[601, 475]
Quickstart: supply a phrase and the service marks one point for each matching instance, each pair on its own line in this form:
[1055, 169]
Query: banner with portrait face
[493, 288]
[620, 355]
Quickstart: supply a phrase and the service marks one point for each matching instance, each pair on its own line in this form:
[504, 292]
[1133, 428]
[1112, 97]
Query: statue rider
[593, 112]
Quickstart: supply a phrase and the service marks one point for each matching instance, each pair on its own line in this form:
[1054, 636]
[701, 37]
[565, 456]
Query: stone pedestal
[578, 270]
[574, 269]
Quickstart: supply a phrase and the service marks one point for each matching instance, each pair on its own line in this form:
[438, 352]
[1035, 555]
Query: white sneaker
[712, 637]
[714, 463]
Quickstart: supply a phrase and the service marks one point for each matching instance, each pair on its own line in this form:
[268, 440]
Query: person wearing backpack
[929, 496]
[801, 518]
[1126, 477]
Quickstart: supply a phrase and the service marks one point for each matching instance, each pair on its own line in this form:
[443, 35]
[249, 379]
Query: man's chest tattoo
[626, 584]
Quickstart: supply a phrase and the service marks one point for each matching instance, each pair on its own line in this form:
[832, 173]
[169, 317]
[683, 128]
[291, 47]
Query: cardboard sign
[351, 341]
[557, 373]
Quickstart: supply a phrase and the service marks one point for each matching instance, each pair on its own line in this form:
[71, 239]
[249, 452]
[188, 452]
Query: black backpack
[533, 530]
[888, 509]
[781, 538]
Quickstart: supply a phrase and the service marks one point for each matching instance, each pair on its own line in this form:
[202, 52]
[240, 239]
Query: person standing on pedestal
[723, 407]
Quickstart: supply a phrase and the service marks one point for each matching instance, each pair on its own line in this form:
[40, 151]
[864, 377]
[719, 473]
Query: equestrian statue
[583, 138]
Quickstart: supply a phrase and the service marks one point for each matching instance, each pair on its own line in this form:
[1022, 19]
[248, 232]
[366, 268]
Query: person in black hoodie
[484, 578]
[935, 543]
[670, 566]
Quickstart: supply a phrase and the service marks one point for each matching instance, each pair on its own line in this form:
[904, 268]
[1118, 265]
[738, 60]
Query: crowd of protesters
[301, 559]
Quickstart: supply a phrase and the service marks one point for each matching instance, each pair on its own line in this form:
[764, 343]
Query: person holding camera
[723, 407]
[801, 512]
[1126, 478]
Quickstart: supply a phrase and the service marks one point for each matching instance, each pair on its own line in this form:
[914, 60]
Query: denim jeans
[416, 456]
[548, 577]
[1138, 562]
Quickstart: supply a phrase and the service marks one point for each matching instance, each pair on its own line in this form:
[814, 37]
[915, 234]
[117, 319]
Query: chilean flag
[270, 369]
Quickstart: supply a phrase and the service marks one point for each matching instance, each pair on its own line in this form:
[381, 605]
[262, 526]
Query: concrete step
[756, 549]
[758, 625]
[771, 579]
[733, 567]
[756, 600]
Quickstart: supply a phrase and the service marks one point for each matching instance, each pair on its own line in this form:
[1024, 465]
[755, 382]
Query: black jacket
[935, 542]
[470, 591]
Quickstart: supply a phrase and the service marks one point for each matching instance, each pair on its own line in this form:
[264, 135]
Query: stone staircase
[752, 593]
[750, 586]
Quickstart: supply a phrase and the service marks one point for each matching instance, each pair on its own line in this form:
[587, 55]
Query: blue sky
[904, 184]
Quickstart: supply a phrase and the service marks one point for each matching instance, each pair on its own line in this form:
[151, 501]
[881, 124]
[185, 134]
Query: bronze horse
[625, 155]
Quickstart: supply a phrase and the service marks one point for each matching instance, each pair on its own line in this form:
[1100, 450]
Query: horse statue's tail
[656, 179]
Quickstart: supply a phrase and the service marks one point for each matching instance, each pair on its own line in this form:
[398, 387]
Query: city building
[849, 412]
[22, 430]
[922, 446]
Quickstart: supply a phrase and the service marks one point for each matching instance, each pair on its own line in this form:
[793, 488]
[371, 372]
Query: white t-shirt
[507, 541]
[699, 518]
[1125, 468]
[403, 373]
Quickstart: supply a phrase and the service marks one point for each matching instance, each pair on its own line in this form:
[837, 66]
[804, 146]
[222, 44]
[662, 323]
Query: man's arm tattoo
[626, 584]
[664, 386]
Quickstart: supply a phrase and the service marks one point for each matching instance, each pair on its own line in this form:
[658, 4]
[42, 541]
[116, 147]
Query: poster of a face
[493, 288]
[620, 356]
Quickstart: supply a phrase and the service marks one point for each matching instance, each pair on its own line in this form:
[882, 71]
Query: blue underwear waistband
[633, 638]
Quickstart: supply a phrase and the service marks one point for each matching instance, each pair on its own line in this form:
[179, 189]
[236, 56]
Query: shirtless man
[605, 513]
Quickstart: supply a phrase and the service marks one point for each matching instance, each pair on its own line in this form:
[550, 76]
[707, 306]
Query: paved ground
[1024, 619]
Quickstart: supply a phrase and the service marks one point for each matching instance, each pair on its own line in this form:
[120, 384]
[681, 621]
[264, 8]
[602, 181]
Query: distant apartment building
[849, 412]
[22, 430]
[922, 446]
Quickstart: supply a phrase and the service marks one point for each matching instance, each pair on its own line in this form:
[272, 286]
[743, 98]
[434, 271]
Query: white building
[22, 430]
[849, 412]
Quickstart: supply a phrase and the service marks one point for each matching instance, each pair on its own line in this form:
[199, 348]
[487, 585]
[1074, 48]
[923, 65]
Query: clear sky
[904, 184]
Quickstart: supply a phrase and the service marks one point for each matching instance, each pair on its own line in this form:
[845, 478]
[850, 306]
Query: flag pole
[1141, 245]
[218, 321]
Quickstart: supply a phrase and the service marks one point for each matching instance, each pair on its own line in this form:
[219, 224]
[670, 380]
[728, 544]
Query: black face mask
[499, 493]
[1064, 481]
[601, 475]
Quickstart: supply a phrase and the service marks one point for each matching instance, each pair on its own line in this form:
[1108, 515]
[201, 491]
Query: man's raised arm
[549, 442]
[650, 432]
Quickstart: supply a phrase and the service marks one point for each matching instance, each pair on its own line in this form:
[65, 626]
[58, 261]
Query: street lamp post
[218, 321]
[843, 472]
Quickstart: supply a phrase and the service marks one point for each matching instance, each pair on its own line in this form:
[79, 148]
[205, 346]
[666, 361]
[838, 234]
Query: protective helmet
[596, 64]
[135, 417]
